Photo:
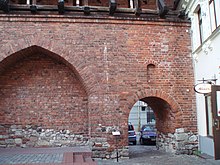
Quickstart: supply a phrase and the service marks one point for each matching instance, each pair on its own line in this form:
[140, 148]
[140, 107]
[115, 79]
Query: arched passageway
[165, 120]
[41, 96]
[141, 124]
[167, 113]
[141, 114]
[169, 135]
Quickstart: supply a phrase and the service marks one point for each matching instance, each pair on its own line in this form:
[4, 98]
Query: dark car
[148, 134]
[131, 134]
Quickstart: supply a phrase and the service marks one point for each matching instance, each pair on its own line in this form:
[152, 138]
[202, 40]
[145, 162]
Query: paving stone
[31, 158]
[149, 155]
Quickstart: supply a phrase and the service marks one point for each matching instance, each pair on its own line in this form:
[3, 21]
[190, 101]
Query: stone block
[180, 130]
[66, 136]
[4, 136]
[9, 141]
[30, 130]
[11, 145]
[48, 134]
[113, 155]
[3, 146]
[43, 143]
[99, 140]
[30, 144]
[35, 133]
[108, 129]
[18, 141]
[124, 153]
[18, 133]
[33, 138]
[57, 144]
[28, 126]
[170, 135]
[181, 136]
[13, 127]
[86, 143]
[43, 134]
[171, 148]
[106, 144]
[179, 145]
[13, 130]
[193, 138]
[107, 156]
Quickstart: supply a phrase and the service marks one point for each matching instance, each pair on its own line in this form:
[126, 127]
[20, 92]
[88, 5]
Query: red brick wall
[117, 62]
[41, 91]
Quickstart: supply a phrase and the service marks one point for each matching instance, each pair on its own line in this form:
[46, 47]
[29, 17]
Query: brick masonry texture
[85, 74]
[29, 98]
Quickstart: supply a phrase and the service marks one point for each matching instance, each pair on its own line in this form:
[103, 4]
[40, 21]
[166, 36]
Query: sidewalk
[139, 155]
[46, 156]
[149, 155]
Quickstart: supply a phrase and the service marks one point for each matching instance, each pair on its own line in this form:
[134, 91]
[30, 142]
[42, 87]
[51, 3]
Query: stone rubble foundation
[29, 136]
[181, 142]
[102, 150]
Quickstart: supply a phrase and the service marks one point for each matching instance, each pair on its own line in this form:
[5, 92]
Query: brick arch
[18, 56]
[57, 49]
[39, 89]
[151, 62]
[134, 97]
[167, 110]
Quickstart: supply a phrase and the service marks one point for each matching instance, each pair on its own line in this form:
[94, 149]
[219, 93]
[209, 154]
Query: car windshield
[148, 128]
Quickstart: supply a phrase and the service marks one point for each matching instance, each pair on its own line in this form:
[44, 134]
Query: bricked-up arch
[23, 53]
[39, 88]
[81, 66]
[150, 72]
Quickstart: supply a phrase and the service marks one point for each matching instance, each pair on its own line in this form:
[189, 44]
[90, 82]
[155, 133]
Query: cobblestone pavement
[139, 155]
[148, 155]
[39, 156]
[31, 158]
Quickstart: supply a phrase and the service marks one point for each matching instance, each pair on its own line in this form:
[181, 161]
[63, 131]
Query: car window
[149, 128]
[130, 128]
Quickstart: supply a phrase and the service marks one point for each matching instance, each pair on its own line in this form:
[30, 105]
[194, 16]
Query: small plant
[197, 152]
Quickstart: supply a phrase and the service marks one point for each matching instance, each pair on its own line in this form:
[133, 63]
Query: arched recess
[150, 72]
[56, 47]
[18, 56]
[40, 88]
